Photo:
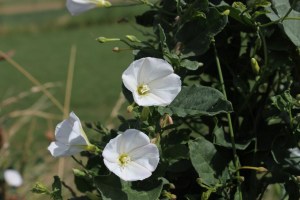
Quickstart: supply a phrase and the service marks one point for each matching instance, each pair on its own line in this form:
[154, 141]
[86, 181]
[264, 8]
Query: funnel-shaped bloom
[131, 156]
[70, 138]
[13, 178]
[152, 82]
[75, 7]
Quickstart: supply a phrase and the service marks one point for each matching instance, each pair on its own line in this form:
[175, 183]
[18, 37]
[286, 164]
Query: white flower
[13, 178]
[131, 156]
[152, 82]
[76, 7]
[70, 138]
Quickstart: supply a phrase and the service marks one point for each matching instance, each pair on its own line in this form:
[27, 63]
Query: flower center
[143, 89]
[124, 159]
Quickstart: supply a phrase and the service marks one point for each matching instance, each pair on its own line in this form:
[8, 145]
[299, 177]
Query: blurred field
[41, 42]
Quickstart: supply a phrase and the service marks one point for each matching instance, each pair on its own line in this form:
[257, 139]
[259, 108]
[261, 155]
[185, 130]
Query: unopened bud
[226, 12]
[172, 186]
[255, 66]
[116, 49]
[261, 169]
[132, 38]
[79, 173]
[240, 179]
[104, 3]
[39, 188]
[130, 108]
[104, 39]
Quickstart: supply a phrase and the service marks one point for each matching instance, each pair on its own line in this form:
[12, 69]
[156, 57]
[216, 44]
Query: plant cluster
[214, 98]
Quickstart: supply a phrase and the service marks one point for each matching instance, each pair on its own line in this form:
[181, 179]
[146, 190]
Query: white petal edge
[132, 172]
[78, 7]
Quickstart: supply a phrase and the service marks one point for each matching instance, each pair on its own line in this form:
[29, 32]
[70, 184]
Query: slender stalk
[231, 132]
[61, 162]
[32, 79]
[69, 81]
[282, 18]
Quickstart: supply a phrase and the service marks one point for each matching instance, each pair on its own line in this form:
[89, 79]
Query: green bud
[132, 38]
[172, 186]
[226, 12]
[130, 108]
[79, 173]
[255, 66]
[93, 149]
[104, 39]
[39, 188]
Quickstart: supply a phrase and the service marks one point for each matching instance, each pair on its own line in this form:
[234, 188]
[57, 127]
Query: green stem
[280, 19]
[235, 157]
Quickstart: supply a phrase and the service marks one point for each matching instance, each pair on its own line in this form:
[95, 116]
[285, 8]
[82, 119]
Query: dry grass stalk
[32, 79]
[66, 110]
[114, 113]
[22, 95]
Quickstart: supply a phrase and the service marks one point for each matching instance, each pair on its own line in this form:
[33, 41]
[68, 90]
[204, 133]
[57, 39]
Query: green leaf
[295, 4]
[207, 161]
[56, 189]
[198, 100]
[290, 27]
[221, 139]
[195, 35]
[112, 188]
[191, 65]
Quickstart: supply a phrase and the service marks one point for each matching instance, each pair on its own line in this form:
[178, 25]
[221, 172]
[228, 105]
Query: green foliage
[198, 100]
[234, 127]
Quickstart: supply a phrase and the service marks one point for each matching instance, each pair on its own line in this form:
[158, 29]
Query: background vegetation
[40, 41]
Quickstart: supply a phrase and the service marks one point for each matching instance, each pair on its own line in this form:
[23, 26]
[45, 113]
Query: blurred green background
[39, 35]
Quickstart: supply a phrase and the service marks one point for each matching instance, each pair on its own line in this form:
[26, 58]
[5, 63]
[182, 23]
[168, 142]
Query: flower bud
[79, 173]
[40, 189]
[116, 49]
[255, 66]
[130, 108]
[104, 39]
[104, 4]
[132, 38]
[226, 12]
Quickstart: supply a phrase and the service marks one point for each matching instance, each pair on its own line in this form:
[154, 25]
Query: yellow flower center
[143, 89]
[124, 159]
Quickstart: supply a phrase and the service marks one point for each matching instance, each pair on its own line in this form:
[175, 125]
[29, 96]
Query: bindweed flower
[152, 82]
[75, 7]
[13, 178]
[131, 156]
[70, 138]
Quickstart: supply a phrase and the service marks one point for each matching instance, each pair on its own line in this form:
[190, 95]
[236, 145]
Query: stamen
[124, 159]
[143, 89]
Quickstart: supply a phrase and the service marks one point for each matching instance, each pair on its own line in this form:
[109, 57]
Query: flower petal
[13, 178]
[130, 140]
[129, 77]
[75, 7]
[70, 131]
[152, 69]
[131, 172]
[58, 149]
[110, 152]
[146, 156]
[148, 100]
